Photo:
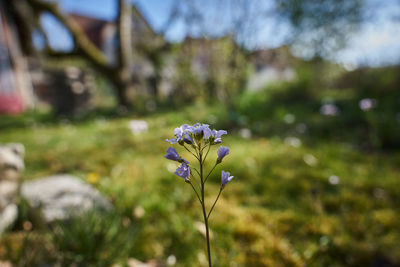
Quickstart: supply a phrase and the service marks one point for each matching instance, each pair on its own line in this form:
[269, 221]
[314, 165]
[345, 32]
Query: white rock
[8, 216]
[11, 167]
[11, 155]
[62, 196]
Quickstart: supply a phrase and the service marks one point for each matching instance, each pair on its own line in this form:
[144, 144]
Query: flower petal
[225, 178]
[183, 171]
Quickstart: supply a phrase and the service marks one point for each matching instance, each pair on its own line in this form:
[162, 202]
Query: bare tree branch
[83, 44]
[57, 54]
[173, 16]
[119, 74]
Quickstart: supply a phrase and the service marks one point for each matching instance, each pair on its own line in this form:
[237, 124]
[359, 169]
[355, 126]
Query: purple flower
[219, 133]
[197, 128]
[172, 141]
[183, 171]
[225, 178]
[201, 131]
[187, 139]
[222, 152]
[207, 133]
[329, 110]
[198, 131]
[217, 136]
[173, 155]
[367, 103]
[179, 133]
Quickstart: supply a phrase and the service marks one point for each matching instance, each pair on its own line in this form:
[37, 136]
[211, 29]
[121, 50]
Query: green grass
[278, 211]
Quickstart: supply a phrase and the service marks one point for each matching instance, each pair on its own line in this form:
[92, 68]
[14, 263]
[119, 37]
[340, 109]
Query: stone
[11, 167]
[61, 196]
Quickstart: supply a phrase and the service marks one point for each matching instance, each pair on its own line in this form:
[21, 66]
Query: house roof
[94, 27]
[280, 57]
[138, 13]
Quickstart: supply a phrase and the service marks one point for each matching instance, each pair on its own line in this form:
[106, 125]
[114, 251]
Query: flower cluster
[197, 136]
[198, 139]
[193, 134]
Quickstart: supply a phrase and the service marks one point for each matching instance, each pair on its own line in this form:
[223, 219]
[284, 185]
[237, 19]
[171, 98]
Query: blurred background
[309, 92]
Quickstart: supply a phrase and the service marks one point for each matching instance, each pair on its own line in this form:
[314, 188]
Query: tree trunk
[124, 53]
[120, 74]
[121, 96]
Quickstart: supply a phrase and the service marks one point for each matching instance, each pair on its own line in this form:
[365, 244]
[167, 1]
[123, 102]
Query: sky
[376, 44]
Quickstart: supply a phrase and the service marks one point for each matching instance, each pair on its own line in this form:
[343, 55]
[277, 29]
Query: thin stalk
[198, 150]
[209, 146]
[196, 171]
[191, 152]
[215, 202]
[205, 180]
[199, 186]
[204, 212]
[194, 189]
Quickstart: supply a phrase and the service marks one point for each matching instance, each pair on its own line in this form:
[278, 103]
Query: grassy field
[319, 203]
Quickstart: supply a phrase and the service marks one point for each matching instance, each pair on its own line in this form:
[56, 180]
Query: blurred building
[68, 90]
[216, 66]
[220, 64]
[271, 66]
[145, 41]
[26, 81]
[101, 32]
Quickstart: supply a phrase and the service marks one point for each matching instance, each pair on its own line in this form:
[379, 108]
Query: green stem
[194, 189]
[209, 146]
[205, 180]
[204, 212]
[199, 186]
[215, 202]
[191, 152]
[196, 171]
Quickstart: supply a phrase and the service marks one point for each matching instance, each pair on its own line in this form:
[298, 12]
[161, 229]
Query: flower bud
[222, 152]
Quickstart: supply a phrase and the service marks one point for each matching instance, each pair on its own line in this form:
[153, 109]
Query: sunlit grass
[280, 210]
